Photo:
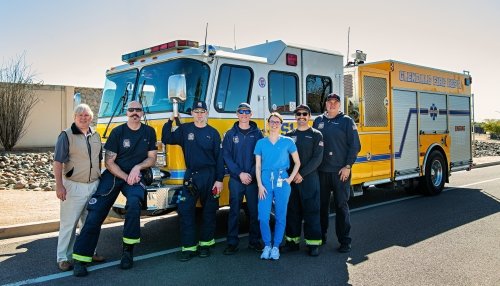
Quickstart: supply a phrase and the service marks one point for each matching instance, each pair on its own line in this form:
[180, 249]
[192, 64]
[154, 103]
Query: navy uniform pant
[304, 205]
[98, 208]
[236, 192]
[186, 208]
[330, 181]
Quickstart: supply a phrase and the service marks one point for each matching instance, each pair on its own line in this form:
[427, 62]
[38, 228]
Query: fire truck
[414, 122]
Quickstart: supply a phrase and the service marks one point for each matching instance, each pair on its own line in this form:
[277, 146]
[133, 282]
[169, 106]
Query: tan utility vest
[83, 167]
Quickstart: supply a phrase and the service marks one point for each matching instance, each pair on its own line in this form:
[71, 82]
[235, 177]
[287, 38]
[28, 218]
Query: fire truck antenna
[206, 32]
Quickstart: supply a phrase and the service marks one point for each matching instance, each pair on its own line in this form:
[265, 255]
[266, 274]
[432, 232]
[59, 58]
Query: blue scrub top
[275, 156]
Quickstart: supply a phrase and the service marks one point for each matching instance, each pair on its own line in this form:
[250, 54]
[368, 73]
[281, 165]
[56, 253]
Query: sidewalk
[40, 210]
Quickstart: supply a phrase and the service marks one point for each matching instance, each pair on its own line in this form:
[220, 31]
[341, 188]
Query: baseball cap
[333, 96]
[303, 107]
[244, 105]
[199, 104]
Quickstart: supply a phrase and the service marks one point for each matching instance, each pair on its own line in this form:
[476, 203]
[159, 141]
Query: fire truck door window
[317, 88]
[283, 92]
[233, 87]
[375, 94]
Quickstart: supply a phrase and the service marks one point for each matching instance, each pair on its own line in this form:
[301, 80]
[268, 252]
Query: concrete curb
[19, 230]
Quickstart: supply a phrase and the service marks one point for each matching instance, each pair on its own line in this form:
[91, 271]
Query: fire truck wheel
[432, 183]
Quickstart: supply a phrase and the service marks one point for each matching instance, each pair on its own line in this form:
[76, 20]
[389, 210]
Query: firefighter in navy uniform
[130, 148]
[237, 148]
[304, 202]
[201, 145]
[341, 149]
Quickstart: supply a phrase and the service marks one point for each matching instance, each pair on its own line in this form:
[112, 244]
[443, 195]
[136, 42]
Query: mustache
[135, 115]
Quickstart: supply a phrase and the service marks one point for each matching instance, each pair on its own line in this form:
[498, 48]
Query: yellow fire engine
[413, 121]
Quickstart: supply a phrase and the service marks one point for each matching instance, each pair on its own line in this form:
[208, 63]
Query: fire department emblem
[321, 125]
[236, 139]
[433, 111]
[126, 143]
[191, 136]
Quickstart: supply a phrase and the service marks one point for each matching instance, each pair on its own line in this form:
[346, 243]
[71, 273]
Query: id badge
[279, 183]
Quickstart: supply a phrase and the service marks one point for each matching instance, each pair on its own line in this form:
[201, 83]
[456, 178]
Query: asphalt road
[398, 239]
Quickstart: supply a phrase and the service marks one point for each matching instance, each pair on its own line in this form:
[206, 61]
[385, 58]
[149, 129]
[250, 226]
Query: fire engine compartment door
[460, 131]
[375, 156]
[405, 133]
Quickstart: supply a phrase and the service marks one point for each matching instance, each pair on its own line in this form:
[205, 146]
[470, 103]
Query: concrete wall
[54, 113]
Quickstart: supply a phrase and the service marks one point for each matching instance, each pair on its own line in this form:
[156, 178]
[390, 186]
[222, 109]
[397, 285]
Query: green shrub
[492, 126]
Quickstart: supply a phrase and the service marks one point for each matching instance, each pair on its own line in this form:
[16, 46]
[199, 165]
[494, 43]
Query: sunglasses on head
[244, 111]
[136, 109]
[301, 113]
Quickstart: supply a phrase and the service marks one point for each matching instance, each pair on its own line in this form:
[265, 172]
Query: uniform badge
[354, 127]
[236, 139]
[92, 201]
[126, 143]
[321, 125]
[191, 136]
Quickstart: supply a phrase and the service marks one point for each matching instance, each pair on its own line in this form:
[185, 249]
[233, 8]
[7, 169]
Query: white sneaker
[266, 252]
[275, 253]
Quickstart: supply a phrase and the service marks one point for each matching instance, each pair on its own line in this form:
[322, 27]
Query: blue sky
[74, 42]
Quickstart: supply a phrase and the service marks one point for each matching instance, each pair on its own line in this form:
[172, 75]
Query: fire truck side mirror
[177, 87]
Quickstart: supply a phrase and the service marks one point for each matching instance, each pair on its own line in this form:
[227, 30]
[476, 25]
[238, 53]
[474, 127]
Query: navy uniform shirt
[341, 141]
[238, 149]
[131, 146]
[201, 146]
[310, 147]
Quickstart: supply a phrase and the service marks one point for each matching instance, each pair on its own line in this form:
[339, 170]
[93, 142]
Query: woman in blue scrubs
[272, 160]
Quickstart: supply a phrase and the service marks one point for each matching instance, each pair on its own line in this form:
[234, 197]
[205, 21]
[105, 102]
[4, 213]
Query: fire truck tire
[432, 183]
[119, 212]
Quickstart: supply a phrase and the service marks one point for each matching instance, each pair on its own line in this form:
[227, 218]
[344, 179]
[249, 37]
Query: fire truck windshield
[154, 84]
[151, 88]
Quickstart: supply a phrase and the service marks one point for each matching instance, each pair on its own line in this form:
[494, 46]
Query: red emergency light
[178, 44]
[291, 60]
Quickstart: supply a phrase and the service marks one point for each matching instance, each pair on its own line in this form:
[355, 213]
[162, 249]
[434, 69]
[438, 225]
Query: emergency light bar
[178, 44]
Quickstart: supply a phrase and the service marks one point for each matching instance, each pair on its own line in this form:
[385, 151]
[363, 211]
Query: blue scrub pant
[204, 181]
[236, 192]
[98, 208]
[341, 190]
[280, 196]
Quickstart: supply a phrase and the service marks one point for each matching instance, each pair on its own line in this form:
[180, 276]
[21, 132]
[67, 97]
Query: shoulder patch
[320, 143]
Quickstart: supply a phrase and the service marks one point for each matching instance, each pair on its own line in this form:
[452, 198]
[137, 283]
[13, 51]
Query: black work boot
[80, 269]
[127, 257]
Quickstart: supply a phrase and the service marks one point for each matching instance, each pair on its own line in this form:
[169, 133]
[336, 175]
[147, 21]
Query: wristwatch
[348, 167]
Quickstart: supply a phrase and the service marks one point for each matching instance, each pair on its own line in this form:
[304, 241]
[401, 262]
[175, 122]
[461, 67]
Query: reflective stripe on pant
[204, 181]
[304, 204]
[72, 213]
[341, 190]
[98, 208]
[236, 192]
[280, 196]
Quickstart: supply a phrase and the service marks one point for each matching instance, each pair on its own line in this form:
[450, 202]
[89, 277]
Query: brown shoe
[98, 258]
[65, 265]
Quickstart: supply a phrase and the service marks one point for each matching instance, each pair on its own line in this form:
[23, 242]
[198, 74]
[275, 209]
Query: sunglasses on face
[136, 109]
[244, 111]
[199, 111]
[302, 114]
[274, 122]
